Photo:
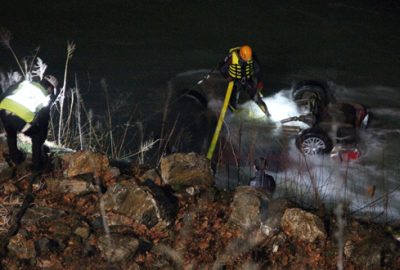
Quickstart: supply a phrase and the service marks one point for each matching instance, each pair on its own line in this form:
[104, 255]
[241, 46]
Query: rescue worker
[25, 107]
[262, 179]
[242, 66]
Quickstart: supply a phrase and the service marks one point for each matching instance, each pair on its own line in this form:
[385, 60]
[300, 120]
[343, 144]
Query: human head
[49, 81]
[260, 164]
[245, 53]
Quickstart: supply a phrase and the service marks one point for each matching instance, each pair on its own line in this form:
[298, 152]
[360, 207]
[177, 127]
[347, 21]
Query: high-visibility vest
[239, 71]
[27, 100]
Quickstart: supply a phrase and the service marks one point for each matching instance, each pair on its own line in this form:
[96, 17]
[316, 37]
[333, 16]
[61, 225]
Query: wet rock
[52, 263]
[303, 225]
[187, 170]
[61, 229]
[39, 213]
[152, 175]
[277, 208]
[146, 204]
[61, 233]
[83, 232]
[248, 208]
[117, 248]
[111, 173]
[21, 247]
[83, 162]
[75, 186]
[45, 244]
[376, 251]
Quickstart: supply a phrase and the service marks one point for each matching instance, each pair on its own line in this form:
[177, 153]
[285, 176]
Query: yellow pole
[220, 121]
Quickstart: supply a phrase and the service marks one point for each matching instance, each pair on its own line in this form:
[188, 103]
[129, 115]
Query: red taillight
[351, 155]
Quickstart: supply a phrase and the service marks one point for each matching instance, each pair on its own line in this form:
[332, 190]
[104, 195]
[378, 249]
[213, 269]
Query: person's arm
[224, 66]
[257, 73]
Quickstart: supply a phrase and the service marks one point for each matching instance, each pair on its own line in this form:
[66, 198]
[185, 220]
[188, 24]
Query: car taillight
[351, 155]
[345, 154]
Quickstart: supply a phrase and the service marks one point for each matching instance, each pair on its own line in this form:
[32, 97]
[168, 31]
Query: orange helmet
[245, 53]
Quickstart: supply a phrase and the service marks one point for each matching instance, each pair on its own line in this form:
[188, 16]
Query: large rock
[21, 247]
[376, 251]
[37, 213]
[249, 208]
[303, 225]
[187, 170]
[117, 248]
[276, 210]
[146, 204]
[75, 186]
[83, 162]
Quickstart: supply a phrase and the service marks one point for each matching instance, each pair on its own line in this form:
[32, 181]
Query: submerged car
[332, 126]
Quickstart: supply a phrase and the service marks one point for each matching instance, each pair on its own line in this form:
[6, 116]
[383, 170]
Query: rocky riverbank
[89, 213]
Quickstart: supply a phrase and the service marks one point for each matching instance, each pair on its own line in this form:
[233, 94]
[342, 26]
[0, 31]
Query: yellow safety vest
[238, 71]
[26, 101]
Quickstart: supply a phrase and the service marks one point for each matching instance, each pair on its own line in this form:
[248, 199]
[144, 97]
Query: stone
[83, 232]
[75, 186]
[303, 225]
[21, 247]
[83, 162]
[187, 170]
[39, 213]
[372, 253]
[248, 207]
[45, 244]
[276, 209]
[117, 248]
[151, 175]
[146, 204]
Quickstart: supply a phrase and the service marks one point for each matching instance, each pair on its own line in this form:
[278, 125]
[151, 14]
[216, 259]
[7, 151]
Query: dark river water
[140, 46]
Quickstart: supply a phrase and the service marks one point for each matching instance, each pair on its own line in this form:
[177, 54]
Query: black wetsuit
[246, 79]
[263, 180]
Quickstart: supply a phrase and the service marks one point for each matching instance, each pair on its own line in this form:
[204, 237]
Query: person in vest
[242, 66]
[262, 179]
[25, 107]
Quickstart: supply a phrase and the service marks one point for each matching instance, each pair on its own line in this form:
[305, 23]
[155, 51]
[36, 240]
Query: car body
[332, 126]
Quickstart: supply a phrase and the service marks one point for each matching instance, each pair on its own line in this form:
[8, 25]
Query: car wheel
[314, 141]
[310, 90]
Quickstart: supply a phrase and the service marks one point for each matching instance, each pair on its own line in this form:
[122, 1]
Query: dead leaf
[371, 191]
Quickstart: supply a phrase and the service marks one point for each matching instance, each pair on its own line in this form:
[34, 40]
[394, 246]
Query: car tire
[310, 89]
[314, 141]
